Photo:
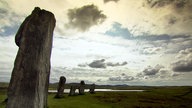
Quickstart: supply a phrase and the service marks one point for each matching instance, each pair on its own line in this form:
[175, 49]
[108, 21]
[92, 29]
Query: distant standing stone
[92, 89]
[29, 82]
[82, 88]
[72, 90]
[60, 89]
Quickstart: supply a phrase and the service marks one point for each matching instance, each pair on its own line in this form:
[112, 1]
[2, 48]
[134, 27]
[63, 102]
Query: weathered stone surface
[28, 87]
[92, 89]
[60, 89]
[82, 88]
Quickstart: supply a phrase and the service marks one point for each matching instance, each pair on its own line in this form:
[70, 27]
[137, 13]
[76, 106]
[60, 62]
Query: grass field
[155, 97]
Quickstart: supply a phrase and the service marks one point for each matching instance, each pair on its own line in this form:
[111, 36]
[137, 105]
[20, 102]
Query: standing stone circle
[29, 82]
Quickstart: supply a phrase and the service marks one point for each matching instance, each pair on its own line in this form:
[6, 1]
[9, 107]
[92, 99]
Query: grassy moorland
[153, 97]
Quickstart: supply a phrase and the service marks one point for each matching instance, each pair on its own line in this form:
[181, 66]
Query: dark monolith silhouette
[29, 82]
[60, 89]
[82, 88]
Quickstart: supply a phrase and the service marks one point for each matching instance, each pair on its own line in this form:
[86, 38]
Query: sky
[133, 42]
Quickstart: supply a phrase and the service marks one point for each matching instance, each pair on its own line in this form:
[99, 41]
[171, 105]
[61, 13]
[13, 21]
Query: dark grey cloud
[152, 70]
[183, 62]
[102, 64]
[106, 1]
[124, 63]
[116, 64]
[98, 64]
[118, 30]
[182, 66]
[85, 17]
[122, 77]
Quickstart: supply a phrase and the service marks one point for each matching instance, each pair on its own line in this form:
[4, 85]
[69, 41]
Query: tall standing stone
[29, 82]
[60, 89]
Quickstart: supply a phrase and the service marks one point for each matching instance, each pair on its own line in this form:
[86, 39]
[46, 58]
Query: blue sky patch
[118, 30]
[9, 30]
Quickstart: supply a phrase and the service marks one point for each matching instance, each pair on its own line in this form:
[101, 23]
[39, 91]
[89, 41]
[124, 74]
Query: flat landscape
[152, 97]
[117, 53]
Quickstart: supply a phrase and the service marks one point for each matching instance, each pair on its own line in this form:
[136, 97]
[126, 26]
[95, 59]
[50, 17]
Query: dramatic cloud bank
[109, 41]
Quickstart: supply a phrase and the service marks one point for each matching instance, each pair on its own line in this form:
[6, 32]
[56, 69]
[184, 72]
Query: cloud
[157, 3]
[9, 22]
[184, 53]
[82, 65]
[118, 30]
[164, 44]
[177, 44]
[115, 64]
[183, 62]
[122, 77]
[172, 20]
[98, 64]
[164, 37]
[163, 3]
[101, 64]
[141, 18]
[151, 50]
[182, 66]
[8, 30]
[85, 17]
[106, 1]
[8, 52]
[175, 14]
[158, 72]
[152, 70]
